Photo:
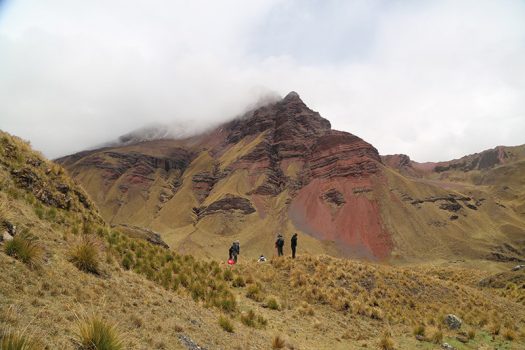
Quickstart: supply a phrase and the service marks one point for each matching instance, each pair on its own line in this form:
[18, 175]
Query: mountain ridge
[280, 167]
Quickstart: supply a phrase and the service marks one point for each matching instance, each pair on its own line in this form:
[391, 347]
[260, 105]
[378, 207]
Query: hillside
[281, 168]
[157, 299]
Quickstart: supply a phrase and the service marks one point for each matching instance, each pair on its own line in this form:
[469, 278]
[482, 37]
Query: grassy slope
[429, 230]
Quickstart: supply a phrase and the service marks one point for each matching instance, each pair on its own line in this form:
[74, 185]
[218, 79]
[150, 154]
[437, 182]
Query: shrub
[471, 334]
[226, 324]
[16, 341]
[23, 247]
[96, 334]
[278, 342]
[272, 304]
[85, 256]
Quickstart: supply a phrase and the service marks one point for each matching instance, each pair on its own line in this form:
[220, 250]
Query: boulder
[453, 322]
[5, 236]
[518, 267]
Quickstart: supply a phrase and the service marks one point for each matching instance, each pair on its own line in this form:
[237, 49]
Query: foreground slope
[281, 168]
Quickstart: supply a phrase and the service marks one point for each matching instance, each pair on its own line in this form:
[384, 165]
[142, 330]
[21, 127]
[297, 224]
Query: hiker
[294, 244]
[279, 244]
[235, 250]
[261, 259]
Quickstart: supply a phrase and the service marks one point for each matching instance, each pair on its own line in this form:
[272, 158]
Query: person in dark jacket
[235, 250]
[279, 244]
[294, 244]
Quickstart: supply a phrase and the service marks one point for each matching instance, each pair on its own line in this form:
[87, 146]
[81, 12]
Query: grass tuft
[278, 342]
[85, 256]
[10, 340]
[96, 334]
[272, 304]
[23, 247]
[419, 330]
[226, 324]
[250, 319]
[386, 342]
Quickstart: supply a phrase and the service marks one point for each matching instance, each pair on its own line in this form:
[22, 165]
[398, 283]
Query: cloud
[434, 79]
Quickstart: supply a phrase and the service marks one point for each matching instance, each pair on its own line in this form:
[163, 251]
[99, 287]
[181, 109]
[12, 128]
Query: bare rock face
[335, 197]
[293, 132]
[340, 154]
[228, 204]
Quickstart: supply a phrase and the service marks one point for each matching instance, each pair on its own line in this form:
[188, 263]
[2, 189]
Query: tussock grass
[436, 337]
[16, 340]
[250, 319]
[255, 292]
[204, 281]
[97, 334]
[226, 324]
[386, 342]
[239, 282]
[272, 304]
[419, 330]
[85, 256]
[24, 247]
[5, 214]
[509, 334]
[278, 342]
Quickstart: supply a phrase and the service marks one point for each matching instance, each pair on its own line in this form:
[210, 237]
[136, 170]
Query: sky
[435, 80]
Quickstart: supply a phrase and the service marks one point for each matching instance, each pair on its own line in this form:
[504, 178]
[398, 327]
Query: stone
[518, 267]
[5, 237]
[452, 321]
[447, 346]
[461, 338]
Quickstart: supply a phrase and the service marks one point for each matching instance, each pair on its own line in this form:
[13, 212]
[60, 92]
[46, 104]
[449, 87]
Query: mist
[435, 80]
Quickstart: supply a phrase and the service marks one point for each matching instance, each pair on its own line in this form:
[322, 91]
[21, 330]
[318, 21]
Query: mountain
[281, 168]
[70, 281]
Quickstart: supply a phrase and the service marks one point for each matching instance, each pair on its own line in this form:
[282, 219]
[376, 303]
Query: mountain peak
[292, 95]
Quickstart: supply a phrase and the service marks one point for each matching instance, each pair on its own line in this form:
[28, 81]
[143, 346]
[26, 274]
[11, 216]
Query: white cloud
[434, 79]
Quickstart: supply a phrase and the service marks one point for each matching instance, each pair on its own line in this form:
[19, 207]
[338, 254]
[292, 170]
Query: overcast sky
[432, 79]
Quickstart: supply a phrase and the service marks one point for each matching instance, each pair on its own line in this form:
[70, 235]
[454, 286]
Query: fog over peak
[435, 79]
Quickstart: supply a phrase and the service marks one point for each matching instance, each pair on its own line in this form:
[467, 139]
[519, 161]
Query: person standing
[237, 250]
[279, 244]
[234, 250]
[294, 244]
